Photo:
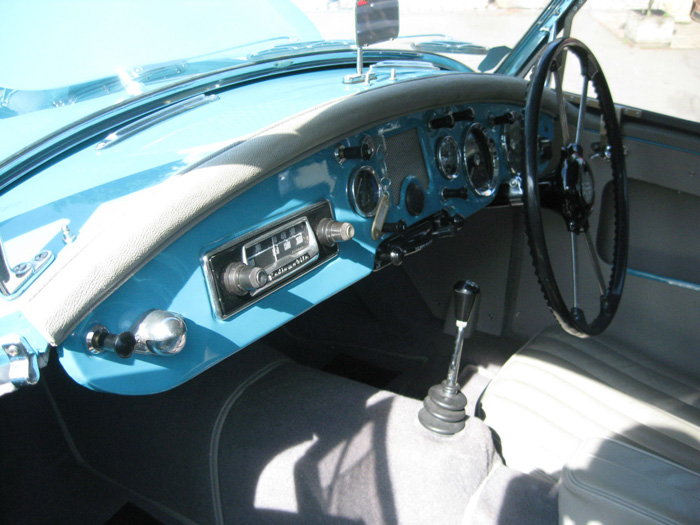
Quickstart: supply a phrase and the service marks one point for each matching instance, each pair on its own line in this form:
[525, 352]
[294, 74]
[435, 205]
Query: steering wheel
[570, 189]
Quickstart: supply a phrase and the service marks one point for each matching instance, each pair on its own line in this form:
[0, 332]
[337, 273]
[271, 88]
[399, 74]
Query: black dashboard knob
[465, 114]
[239, 278]
[364, 151]
[446, 121]
[393, 255]
[124, 344]
[100, 339]
[458, 221]
[507, 118]
[394, 227]
[455, 193]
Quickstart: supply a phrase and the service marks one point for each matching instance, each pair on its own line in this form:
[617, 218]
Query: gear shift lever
[443, 408]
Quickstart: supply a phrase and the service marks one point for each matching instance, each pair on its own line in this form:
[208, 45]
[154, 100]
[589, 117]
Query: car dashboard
[343, 206]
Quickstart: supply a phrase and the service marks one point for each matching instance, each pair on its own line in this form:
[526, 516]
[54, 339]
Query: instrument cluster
[417, 177]
[451, 160]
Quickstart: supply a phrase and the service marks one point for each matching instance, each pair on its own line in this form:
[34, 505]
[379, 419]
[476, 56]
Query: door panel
[660, 310]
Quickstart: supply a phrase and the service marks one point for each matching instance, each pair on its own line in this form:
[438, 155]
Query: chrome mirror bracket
[19, 364]
[14, 280]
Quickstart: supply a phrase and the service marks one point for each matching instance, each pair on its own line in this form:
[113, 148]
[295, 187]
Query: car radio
[248, 268]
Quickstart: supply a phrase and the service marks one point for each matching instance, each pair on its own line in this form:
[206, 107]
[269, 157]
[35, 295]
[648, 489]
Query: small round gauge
[481, 160]
[513, 141]
[364, 191]
[448, 157]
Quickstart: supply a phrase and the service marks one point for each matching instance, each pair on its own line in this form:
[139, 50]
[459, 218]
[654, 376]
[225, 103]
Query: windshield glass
[66, 60]
[63, 61]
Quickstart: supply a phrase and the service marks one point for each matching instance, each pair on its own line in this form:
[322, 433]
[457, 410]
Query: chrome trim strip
[155, 118]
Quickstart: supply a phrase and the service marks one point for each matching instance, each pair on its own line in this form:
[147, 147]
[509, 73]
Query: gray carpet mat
[263, 440]
[302, 446]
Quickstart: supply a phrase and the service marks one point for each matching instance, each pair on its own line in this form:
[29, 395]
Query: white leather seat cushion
[558, 391]
[611, 482]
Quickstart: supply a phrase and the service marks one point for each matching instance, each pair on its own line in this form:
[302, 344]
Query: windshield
[66, 60]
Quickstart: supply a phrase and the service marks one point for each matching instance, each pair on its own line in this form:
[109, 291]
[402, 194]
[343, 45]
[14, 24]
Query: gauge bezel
[481, 132]
[352, 194]
[439, 157]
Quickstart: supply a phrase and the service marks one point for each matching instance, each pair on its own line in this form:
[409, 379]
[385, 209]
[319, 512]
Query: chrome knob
[160, 332]
[239, 278]
[330, 232]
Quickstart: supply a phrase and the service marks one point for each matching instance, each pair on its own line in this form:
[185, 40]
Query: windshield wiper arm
[449, 46]
[299, 48]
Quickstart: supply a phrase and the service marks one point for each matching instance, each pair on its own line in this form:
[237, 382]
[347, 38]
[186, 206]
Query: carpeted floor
[337, 451]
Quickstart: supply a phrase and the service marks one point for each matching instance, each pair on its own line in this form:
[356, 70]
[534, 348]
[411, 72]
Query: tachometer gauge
[514, 145]
[448, 157]
[364, 191]
[481, 160]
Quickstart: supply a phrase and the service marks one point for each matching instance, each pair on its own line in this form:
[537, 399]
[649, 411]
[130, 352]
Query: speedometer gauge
[364, 191]
[481, 160]
[448, 157]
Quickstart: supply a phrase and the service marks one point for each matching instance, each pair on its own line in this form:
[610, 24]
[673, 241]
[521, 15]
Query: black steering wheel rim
[573, 320]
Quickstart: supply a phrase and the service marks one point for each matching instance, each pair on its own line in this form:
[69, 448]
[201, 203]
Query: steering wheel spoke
[561, 103]
[570, 191]
[574, 268]
[595, 262]
[582, 109]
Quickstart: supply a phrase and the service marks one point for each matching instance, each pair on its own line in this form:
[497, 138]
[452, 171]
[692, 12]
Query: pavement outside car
[664, 80]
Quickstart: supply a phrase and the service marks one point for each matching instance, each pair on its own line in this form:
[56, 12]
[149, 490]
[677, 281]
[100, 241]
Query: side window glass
[651, 60]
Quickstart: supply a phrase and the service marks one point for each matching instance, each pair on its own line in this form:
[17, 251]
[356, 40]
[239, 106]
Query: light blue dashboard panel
[175, 279]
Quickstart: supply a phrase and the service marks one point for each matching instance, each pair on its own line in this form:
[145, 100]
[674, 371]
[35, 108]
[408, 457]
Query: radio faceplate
[281, 251]
[285, 249]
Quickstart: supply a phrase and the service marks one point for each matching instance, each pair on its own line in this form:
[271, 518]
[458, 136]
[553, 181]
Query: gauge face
[448, 157]
[364, 191]
[481, 160]
[514, 146]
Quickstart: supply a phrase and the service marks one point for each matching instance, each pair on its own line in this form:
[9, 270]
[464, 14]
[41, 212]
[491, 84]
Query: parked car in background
[230, 235]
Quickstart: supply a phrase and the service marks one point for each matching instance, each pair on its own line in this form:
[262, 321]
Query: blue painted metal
[666, 280]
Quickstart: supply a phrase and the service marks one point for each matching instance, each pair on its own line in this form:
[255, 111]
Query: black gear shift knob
[465, 293]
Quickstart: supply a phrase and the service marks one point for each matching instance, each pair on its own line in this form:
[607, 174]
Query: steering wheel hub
[577, 189]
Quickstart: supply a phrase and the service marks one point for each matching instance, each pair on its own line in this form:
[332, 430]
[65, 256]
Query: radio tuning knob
[329, 232]
[239, 278]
